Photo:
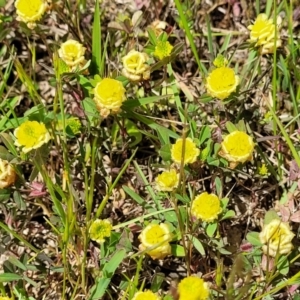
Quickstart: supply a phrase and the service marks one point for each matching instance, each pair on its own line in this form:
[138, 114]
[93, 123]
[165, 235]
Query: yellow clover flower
[193, 288]
[220, 61]
[262, 33]
[109, 96]
[191, 152]
[276, 237]
[221, 82]
[162, 49]
[31, 135]
[263, 170]
[7, 174]
[167, 181]
[147, 295]
[99, 230]
[206, 207]
[155, 240]
[237, 147]
[135, 66]
[72, 53]
[30, 11]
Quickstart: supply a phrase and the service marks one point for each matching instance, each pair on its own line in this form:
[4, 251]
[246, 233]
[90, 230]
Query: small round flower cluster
[263, 32]
[99, 230]
[221, 82]
[146, 295]
[155, 240]
[7, 174]
[30, 11]
[72, 53]
[109, 94]
[193, 288]
[191, 152]
[276, 237]
[237, 147]
[167, 181]
[135, 66]
[206, 207]
[73, 123]
[31, 135]
[162, 49]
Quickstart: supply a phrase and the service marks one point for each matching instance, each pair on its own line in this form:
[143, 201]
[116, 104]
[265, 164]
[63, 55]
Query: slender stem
[89, 204]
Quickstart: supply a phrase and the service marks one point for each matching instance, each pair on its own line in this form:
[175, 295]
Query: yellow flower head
[193, 288]
[7, 174]
[276, 237]
[162, 49]
[73, 123]
[220, 61]
[135, 66]
[191, 152]
[221, 82]
[237, 147]
[147, 295]
[31, 135]
[5, 298]
[30, 11]
[206, 207]
[155, 240]
[167, 181]
[109, 96]
[262, 33]
[72, 53]
[263, 170]
[99, 230]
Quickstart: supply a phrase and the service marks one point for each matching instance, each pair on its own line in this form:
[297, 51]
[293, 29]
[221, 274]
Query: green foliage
[104, 166]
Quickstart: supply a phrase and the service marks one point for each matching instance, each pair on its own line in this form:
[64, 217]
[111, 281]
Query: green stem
[89, 204]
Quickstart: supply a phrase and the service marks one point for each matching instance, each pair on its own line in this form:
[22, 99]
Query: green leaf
[230, 127]
[133, 195]
[9, 143]
[270, 216]
[211, 229]
[197, 244]
[224, 203]
[229, 214]
[184, 199]
[17, 263]
[8, 277]
[4, 194]
[224, 251]
[99, 289]
[253, 238]
[218, 184]
[170, 216]
[213, 161]
[152, 36]
[177, 250]
[133, 132]
[283, 265]
[96, 41]
[90, 108]
[205, 134]
[157, 281]
[165, 152]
